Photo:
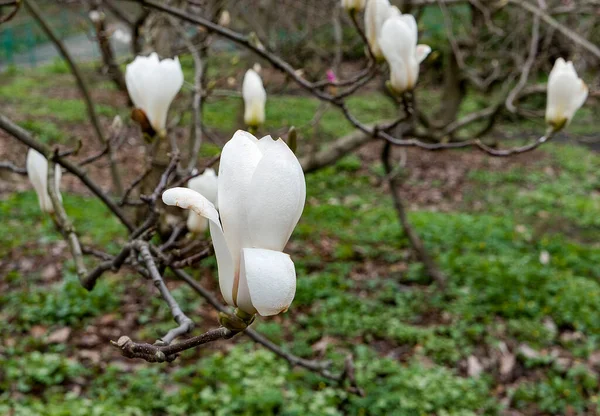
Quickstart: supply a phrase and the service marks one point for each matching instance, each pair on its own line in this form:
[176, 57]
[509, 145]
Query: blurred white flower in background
[255, 99]
[224, 18]
[566, 94]
[261, 194]
[398, 42]
[376, 14]
[37, 171]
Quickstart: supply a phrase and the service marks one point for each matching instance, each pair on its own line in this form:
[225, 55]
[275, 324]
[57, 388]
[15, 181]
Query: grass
[358, 292]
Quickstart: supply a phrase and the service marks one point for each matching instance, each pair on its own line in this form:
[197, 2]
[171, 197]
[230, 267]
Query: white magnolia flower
[353, 5]
[37, 170]
[398, 42]
[566, 94]
[376, 14]
[261, 194]
[152, 85]
[205, 184]
[255, 98]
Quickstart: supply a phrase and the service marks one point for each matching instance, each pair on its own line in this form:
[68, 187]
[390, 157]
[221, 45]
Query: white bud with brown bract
[37, 171]
[566, 94]
[152, 85]
[261, 195]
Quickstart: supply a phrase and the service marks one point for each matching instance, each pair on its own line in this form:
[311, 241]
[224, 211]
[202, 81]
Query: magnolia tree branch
[13, 168]
[415, 241]
[320, 367]
[185, 323]
[571, 34]
[196, 129]
[251, 43]
[26, 138]
[16, 4]
[64, 224]
[114, 265]
[533, 49]
[168, 353]
[37, 15]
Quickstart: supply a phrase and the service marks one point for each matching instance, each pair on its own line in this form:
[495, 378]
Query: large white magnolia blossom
[152, 85]
[376, 14]
[205, 184]
[398, 42]
[261, 194]
[255, 98]
[353, 5]
[37, 170]
[566, 94]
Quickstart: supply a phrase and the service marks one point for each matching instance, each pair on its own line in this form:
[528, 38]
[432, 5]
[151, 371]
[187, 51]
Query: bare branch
[13, 168]
[37, 15]
[64, 224]
[415, 241]
[574, 36]
[168, 353]
[25, 137]
[185, 323]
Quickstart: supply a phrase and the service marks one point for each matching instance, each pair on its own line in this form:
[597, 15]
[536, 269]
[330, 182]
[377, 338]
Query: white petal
[276, 196]
[422, 52]
[255, 98]
[239, 159]
[376, 13]
[267, 283]
[409, 20]
[189, 199]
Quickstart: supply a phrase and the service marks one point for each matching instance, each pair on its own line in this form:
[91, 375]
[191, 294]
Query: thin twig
[415, 241]
[13, 168]
[162, 353]
[25, 137]
[64, 224]
[37, 15]
[113, 265]
[185, 323]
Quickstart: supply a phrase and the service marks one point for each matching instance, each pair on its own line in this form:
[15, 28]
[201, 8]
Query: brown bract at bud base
[139, 116]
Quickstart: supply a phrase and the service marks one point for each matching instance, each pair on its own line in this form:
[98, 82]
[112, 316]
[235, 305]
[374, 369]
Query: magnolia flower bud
[566, 94]
[353, 5]
[205, 184]
[376, 14]
[37, 170]
[398, 43]
[261, 194]
[255, 98]
[152, 85]
[224, 18]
